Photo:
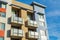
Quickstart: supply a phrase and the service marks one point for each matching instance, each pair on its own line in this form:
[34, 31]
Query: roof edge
[38, 4]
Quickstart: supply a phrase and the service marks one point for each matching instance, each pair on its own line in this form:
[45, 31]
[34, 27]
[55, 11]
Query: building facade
[19, 21]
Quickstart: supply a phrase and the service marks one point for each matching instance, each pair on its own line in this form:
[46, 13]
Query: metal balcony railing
[17, 20]
[17, 32]
[33, 34]
[32, 23]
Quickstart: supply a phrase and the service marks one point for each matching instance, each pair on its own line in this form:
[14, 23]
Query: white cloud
[53, 13]
[54, 30]
[56, 34]
[54, 27]
[54, 1]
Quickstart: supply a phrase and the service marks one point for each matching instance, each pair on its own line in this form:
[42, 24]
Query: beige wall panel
[24, 16]
[22, 5]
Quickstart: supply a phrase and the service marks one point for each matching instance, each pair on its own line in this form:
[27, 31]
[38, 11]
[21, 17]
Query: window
[2, 14]
[42, 23]
[1, 38]
[15, 12]
[2, 5]
[20, 33]
[15, 31]
[30, 16]
[42, 32]
[41, 16]
[2, 26]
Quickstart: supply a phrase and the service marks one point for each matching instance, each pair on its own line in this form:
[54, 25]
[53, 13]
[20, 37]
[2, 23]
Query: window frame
[1, 26]
[41, 16]
[2, 14]
[30, 16]
[41, 23]
[3, 4]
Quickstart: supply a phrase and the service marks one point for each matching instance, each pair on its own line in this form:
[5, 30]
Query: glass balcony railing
[33, 35]
[17, 20]
[43, 37]
[32, 23]
[17, 32]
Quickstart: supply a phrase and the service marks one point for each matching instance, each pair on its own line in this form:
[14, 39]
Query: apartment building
[19, 21]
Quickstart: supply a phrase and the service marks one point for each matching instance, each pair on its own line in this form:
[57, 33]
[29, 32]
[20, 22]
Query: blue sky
[52, 16]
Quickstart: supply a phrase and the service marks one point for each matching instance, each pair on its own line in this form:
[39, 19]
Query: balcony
[33, 35]
[17, 32]
[16, 20]
[32, 23]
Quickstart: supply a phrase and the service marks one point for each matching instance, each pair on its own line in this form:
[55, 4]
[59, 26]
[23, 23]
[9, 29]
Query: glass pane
[15, 18]
[2, 26]
[42, 23]
[42, 32]
[20, 31]
[36, 33]
[20, 20]
[41, 16]
[1, 38]
[35, 22]
[14, 13]
[29, 17]
[0, 5]
[31, 22]
[15, 30]
[3, 14]
[3, 6]
[32, 33]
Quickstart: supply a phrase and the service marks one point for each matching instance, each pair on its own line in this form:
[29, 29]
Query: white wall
[40, 28]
